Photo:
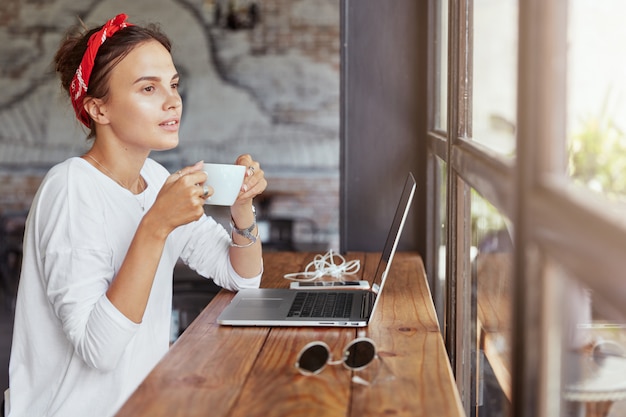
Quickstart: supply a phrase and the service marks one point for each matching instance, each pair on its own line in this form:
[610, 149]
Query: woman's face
[143, 107]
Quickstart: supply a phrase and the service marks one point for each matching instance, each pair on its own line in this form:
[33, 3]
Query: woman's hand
[181, 199]
[245, 253]
[254, 182]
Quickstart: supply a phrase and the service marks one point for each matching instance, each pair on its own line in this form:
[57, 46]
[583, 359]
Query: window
[441, 62]
[491, 257]
[534, 104]
[494, 74]
[596, 90]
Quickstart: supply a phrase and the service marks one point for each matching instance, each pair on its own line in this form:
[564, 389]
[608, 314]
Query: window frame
[552, 218]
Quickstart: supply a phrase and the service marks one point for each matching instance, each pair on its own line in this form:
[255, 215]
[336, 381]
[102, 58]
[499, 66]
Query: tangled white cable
[325, 264]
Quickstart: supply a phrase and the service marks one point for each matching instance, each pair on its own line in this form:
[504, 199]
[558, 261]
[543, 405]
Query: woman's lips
[171, 125]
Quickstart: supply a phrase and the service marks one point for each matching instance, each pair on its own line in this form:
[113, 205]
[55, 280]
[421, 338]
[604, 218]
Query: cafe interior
[504, 296]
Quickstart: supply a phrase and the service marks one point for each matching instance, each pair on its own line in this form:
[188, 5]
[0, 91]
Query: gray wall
[383, 120]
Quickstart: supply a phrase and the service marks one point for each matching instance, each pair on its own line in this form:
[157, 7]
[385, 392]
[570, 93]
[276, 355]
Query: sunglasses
[357, 355]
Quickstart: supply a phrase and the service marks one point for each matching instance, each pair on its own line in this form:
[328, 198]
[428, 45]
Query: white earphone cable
[323, 265]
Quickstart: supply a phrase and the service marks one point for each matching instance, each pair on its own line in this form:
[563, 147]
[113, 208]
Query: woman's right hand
[181, 199]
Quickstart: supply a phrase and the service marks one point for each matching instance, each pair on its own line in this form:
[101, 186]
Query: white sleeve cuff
[239, 282]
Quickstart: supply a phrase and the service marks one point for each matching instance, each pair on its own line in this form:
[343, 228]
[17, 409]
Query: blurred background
[258, 77]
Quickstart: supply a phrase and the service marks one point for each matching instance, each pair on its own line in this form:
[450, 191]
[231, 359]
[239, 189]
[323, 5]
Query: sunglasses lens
[359, 354]
[313, 359]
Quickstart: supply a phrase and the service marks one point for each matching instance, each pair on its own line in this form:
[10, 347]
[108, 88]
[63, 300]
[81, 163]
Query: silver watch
[247, 233]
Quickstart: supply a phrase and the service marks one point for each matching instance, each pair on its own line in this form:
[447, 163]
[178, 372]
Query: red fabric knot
[80, 82]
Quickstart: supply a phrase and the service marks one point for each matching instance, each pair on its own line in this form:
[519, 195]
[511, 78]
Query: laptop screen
[394, 235]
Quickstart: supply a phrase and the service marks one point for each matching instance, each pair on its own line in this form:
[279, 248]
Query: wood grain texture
[217, 370]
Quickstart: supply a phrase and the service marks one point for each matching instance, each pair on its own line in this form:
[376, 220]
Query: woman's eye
[149, 88]
[175, 86]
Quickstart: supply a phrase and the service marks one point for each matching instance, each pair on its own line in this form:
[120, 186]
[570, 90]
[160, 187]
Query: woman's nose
[174, 100]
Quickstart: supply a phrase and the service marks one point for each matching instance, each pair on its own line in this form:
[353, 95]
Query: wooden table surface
[215, 370]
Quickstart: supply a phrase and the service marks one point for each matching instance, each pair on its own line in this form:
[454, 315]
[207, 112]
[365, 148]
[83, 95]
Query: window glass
[594, 354]
[441, 118]
[491, 259]
[596, 91]
[439, 292]
[495, 74]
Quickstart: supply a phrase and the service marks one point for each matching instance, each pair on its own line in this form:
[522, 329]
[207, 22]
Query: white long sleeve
[73, 352]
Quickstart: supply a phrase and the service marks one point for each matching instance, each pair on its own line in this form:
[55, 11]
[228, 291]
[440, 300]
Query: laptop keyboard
[322, 304]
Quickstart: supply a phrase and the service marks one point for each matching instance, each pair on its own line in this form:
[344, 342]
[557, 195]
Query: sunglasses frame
[329, 361]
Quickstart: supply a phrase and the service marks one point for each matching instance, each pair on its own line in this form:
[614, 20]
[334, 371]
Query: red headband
[80, 82]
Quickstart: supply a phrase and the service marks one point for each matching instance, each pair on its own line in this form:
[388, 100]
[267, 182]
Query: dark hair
[112, 51]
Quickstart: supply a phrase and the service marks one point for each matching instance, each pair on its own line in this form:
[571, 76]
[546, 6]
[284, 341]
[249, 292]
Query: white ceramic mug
[226, 181]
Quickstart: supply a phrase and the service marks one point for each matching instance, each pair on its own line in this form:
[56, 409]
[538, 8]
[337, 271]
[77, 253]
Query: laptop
[320, 307]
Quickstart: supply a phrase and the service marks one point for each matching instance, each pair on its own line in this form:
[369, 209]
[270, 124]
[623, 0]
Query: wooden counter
[216, 371]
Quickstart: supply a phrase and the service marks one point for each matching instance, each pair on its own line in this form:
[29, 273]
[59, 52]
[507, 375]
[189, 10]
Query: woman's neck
[121, 167]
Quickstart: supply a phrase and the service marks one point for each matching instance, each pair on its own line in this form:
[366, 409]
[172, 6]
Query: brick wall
[17, 191]
[312, 200]
[9, 10]
[312, 28]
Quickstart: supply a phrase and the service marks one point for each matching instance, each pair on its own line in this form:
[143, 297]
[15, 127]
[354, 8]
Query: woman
[106, 229]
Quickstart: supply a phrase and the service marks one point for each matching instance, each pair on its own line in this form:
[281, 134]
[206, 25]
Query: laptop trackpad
[260, 303]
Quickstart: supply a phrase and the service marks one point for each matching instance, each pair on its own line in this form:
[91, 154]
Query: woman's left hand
[254, 182]
[245, 251]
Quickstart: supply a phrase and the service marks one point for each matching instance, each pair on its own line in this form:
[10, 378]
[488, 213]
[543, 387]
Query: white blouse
[73, 352]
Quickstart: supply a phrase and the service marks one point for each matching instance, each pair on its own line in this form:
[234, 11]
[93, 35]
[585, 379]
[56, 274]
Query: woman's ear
[95, 109]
